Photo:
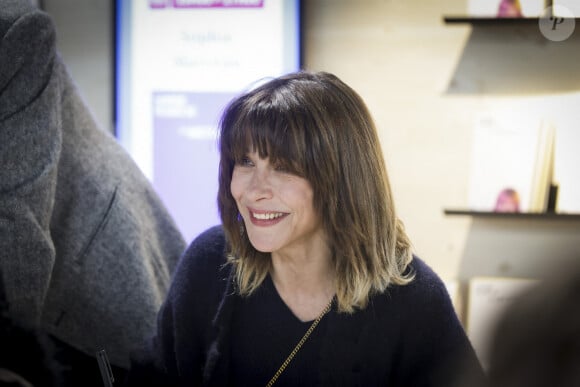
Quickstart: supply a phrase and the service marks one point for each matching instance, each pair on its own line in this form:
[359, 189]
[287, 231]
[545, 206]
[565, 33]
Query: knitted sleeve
[437, 351]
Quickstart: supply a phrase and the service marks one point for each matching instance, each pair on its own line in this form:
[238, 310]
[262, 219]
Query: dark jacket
[408, 336]
[86, 247]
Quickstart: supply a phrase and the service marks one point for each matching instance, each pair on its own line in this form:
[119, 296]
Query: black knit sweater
[408, 336]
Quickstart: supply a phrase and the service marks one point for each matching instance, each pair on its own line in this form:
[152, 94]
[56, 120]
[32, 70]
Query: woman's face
[276, 205]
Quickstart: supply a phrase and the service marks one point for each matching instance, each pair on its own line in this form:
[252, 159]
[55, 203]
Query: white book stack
[512, 163]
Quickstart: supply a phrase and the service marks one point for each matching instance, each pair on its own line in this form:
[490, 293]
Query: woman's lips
[266, 218]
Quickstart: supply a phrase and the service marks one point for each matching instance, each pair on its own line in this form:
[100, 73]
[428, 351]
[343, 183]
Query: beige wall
[424, 82]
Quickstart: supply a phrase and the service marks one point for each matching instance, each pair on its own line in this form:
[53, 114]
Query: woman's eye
[284, 168]
[245, 162]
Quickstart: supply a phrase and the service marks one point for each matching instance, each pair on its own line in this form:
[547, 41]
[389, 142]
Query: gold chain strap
[299, 345]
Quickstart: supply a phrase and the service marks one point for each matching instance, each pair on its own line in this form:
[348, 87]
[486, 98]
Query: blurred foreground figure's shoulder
[87, 247]
[537, 341]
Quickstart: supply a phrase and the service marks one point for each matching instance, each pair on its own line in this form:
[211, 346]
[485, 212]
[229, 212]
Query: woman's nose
[260, 185]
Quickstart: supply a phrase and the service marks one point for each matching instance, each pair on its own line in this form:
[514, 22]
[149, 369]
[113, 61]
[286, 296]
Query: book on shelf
[512, 163]
[567, 169]
[566, 8]
[543, 168]
[506, 8]
[488, 299]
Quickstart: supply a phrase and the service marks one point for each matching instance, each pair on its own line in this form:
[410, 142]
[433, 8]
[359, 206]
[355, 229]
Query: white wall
[85, 40]
[424, 81]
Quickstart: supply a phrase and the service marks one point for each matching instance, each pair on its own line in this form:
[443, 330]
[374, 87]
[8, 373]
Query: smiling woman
[310, 279]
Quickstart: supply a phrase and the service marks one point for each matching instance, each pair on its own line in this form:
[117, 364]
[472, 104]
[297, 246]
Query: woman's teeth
[267, 216]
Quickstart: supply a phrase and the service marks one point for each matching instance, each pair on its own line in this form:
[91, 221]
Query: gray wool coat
[87, 249]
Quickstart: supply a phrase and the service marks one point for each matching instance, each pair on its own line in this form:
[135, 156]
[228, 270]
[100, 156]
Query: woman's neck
[305, 283]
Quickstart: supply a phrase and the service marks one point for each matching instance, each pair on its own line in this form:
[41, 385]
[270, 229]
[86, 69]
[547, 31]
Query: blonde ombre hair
[319, 128]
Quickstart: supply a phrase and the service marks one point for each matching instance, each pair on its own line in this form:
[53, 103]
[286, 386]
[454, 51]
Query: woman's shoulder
[212, 241]
[424, 275]
[426, 286]
[422, 306]
[204, 258]
[429, 331]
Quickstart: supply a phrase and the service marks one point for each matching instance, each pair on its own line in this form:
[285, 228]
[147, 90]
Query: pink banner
[160, 4]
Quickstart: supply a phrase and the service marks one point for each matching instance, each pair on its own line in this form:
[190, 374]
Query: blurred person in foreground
[537, 340]
[87, 248]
